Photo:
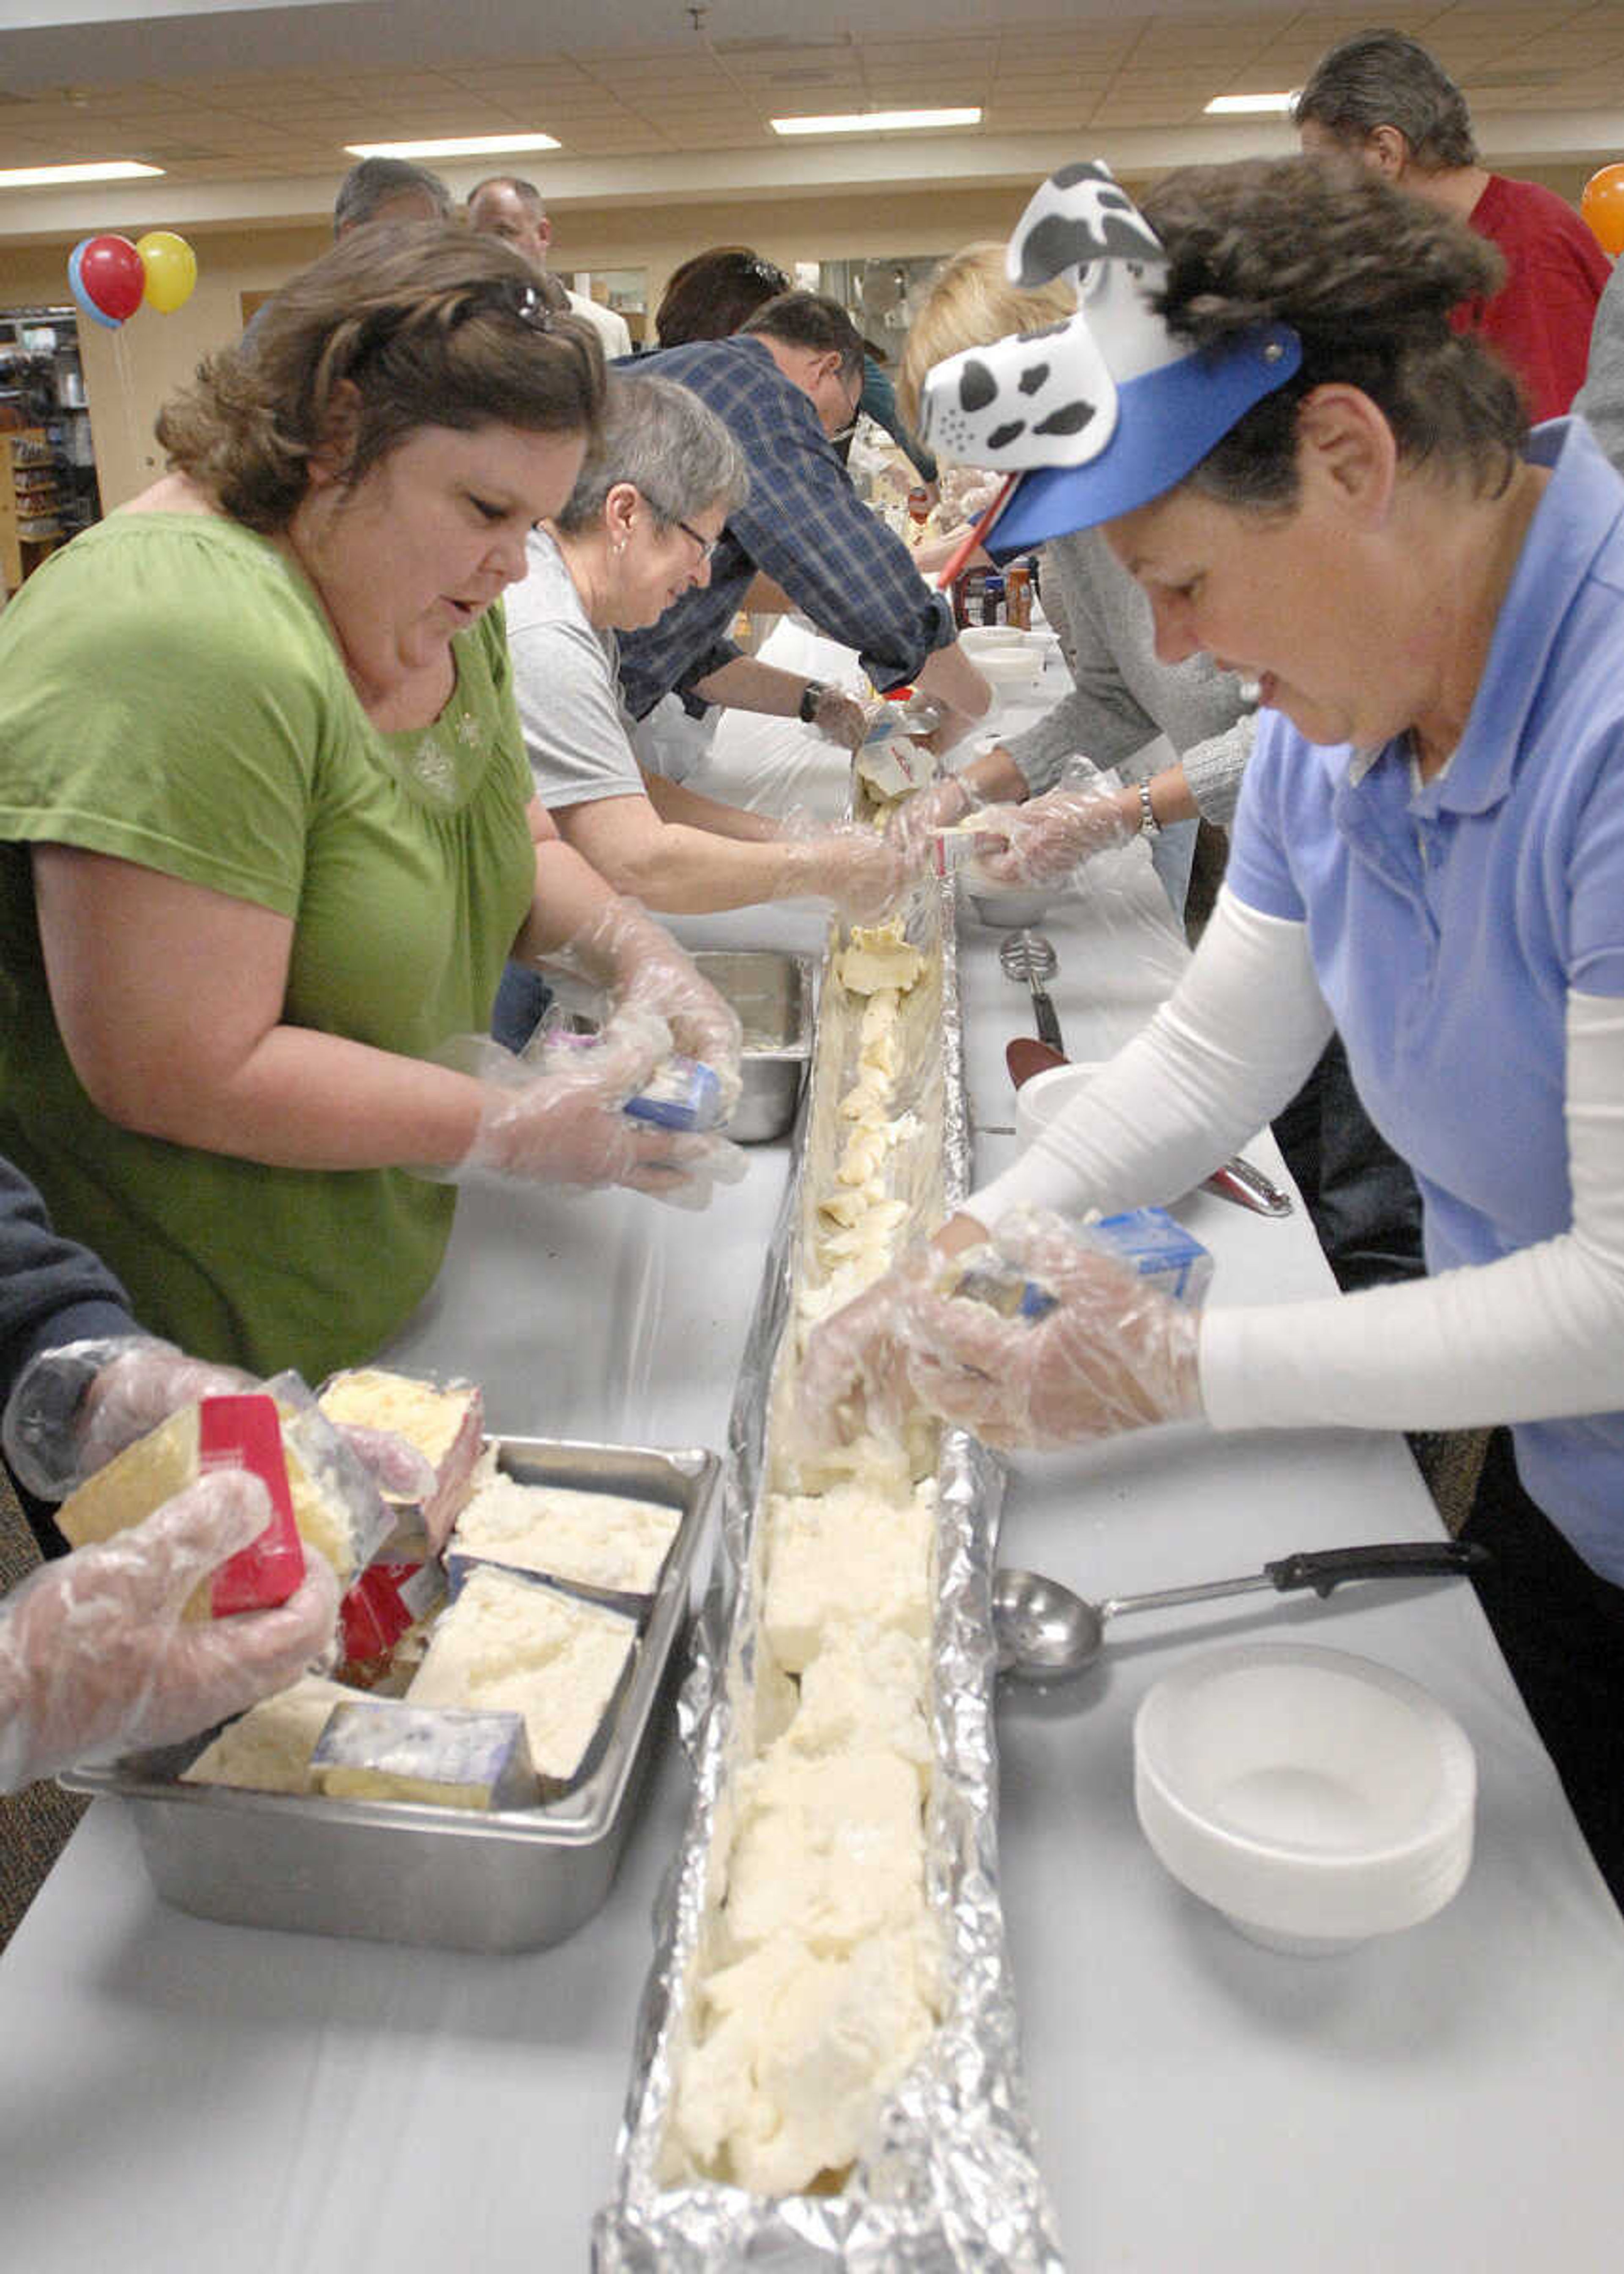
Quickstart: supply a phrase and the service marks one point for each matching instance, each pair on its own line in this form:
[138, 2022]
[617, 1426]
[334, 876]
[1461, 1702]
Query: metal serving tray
[401, 1871]
[774, 992]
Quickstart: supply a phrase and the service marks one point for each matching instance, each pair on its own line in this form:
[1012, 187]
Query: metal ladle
[1043, 1632]
[1029, 958]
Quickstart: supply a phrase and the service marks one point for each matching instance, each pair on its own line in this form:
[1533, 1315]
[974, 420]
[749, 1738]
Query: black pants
[1561, 1628]
[1361, 1197]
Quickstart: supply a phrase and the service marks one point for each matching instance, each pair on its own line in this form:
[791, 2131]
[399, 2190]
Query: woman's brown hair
[396, 328]
[1369, 277]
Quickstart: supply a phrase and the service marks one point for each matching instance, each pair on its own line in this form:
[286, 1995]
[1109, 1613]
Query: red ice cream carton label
[245, 1433]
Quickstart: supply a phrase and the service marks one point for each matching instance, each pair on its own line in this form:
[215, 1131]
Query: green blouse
[170, 693]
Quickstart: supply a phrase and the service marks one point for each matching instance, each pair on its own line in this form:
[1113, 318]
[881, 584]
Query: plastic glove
[866, 872]
[841, 718]
[94, 1659]
[562, 1122]
[74, 1407]
[623, 950]
[911, 828]
[1041, 841]
[1114, 1353]
[395, 1465]
[853, 1375]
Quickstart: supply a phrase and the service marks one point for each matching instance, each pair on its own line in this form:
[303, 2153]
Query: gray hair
[374, 181]
[526, 192]
[671, 447]
[1383, 79]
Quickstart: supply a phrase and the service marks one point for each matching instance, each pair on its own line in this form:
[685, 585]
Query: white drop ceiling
[247, 109]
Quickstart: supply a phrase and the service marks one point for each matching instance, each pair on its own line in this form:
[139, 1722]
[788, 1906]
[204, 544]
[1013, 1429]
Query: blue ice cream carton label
[683, 1094]
[1156, 1245]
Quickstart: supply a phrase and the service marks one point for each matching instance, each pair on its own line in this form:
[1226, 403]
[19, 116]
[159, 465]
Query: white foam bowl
[1006, 908]
[1314, 1797]
[1043, 1095]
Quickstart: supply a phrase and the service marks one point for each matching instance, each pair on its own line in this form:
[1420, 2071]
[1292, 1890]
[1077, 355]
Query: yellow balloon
[171, 268]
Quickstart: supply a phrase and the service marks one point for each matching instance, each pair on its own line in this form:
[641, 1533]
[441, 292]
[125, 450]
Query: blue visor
[1167, 421]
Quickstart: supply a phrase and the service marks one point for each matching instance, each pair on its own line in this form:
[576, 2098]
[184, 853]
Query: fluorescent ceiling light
[454, 146]
[1242, 102]
[875, 122]
[104, 170]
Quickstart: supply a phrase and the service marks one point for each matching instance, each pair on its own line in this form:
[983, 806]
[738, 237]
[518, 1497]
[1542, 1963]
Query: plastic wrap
[950, 2178]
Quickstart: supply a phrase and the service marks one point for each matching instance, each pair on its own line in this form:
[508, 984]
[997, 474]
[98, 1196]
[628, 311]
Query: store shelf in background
[29, 526]
[49, 489]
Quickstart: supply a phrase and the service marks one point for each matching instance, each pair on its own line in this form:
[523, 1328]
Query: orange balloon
[1602, 206]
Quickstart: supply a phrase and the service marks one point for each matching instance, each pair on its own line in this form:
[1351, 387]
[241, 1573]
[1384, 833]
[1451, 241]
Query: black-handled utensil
[1044, 1632]
[1027, 956]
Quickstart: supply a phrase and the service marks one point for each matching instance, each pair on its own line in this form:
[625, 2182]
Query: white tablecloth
[180, 2095]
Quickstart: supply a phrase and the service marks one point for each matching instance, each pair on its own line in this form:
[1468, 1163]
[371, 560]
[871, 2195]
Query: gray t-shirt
[565, 681]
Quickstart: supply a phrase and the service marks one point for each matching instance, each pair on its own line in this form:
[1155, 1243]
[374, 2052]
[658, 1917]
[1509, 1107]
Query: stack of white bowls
[1314, 1798]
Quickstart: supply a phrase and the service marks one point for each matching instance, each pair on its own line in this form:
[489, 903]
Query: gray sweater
[1122, 698]
[1601, 398]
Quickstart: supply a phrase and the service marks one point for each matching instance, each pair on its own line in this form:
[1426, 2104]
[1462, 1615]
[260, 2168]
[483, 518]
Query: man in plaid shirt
[785, 386]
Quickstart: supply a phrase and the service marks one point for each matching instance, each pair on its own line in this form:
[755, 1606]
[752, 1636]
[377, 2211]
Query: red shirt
[1541, 317]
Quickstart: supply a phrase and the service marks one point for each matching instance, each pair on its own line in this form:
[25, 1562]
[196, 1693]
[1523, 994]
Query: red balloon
[1602, 206]
[113, 276]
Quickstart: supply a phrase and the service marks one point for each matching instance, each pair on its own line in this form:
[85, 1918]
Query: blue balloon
[77, 290]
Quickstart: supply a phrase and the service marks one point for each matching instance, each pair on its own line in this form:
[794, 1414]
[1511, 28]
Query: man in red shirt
[1382, 99]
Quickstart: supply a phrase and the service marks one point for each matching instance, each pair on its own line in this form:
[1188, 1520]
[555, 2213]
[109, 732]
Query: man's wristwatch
[1149, 827]
[811, 695]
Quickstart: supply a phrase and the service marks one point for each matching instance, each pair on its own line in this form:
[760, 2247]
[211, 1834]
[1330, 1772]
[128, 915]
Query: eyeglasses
[707, 545]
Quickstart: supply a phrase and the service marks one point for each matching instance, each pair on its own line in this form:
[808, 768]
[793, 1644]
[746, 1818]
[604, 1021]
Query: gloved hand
[1041, 841]
[1115, 1353]
[94, 1659]
[841, 718]
[865, 872]
[644, 971]
[74, 1407]
[852, 1374]
[562, 1122]
[912, 827]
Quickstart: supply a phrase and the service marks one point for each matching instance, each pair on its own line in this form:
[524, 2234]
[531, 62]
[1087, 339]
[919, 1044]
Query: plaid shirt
[803, 525]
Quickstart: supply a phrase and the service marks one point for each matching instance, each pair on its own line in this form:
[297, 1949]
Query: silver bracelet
[1149, 827]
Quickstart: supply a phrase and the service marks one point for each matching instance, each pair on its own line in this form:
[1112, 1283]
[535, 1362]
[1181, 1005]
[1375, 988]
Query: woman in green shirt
[267, 832]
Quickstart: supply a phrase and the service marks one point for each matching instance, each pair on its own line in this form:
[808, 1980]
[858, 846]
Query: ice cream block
[157, 1466]
[827, 1847]
[782, 2094]
[513, 1642]
[268, 1748]
[387, 1750]
[878, 957]
[858, 1545]
[446, 1422]
[585, 1539]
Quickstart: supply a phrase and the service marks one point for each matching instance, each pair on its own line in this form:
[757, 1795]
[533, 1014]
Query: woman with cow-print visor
[1316, 482]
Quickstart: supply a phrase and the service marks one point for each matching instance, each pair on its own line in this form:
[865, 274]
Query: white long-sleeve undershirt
[1535, 1335]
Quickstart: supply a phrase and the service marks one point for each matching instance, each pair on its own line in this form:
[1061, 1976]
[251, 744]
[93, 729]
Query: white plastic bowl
[1043, 1095]
[1314, 1797]
[1006, 908]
